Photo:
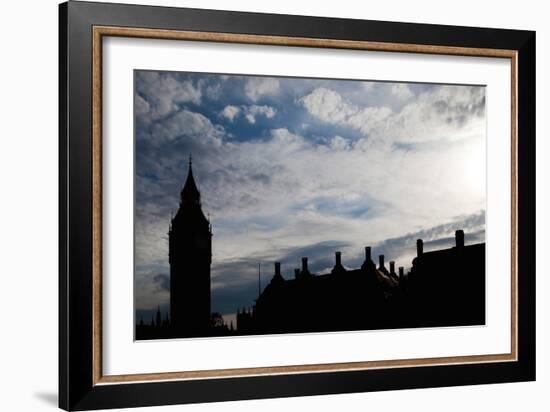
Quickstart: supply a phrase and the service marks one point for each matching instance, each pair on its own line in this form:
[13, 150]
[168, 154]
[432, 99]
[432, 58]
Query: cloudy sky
[293, 167]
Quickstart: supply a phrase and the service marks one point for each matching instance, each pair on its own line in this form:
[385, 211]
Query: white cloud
[230, 112]
[448, 113]
[188, 125]
[213, 91]
[310, 187]
[250, 112]
[257, 87]
[401, 91]
[330, 107]
[253, 111]
[163, 92]
[327, 105]
[445, 113]
[339, 143]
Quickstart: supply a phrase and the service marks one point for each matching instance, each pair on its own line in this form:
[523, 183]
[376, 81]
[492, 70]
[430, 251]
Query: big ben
[190, 257]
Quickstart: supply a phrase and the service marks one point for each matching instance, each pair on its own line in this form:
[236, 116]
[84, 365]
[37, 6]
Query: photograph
[272, 205]
[262, 204]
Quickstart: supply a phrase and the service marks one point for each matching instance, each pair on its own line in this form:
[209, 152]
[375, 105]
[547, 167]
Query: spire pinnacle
[190, 193]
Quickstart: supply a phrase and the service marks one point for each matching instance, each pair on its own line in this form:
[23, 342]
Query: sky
[292, 167]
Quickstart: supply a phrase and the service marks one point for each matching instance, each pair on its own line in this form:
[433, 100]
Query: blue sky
[292, 167]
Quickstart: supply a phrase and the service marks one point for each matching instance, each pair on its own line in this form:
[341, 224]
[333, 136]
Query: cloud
[255, 110]
[403, 248]
[141, 106]
[402, 91]
[443, 113]
[230, 112]
[257, 87]
[330, 107]
[213, 91]
[250, 113]
[446, 113]
[150, 291]
[339, 143]
[162, 92]
[162, 281]
[186, 124]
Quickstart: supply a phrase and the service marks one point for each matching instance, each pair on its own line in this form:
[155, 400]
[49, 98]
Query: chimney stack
[296, 273]
[419, 247]
[338, 258]
[401, 273]
[381, 261]
[304, 265]
[392, 267]
[277, 268]
[459, 237]
[367, 253]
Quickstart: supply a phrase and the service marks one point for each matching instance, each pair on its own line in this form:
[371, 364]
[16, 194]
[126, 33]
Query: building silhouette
[190, 256]
[442, 288]
[447, 287]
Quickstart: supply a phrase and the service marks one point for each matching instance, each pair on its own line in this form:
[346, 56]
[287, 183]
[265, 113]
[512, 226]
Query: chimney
[459, 237]
[392, 267]
[367, 253]
[381, 261]
[296, 273]
[419, 247]
[401, 273]
[277, 268]
[338, 258]
[304, 265]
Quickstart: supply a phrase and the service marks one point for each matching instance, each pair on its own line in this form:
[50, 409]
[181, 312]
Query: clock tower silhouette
[190, 257]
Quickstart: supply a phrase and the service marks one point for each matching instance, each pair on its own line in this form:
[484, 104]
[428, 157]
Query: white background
[123, 356]
[28, 210]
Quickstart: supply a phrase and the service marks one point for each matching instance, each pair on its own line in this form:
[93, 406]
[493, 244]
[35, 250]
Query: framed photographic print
[257, 205]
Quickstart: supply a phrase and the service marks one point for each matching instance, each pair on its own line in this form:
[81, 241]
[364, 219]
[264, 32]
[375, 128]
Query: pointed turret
[190, 194]
[190, 203]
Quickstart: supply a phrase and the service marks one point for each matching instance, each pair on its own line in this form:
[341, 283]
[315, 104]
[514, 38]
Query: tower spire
[190, 193]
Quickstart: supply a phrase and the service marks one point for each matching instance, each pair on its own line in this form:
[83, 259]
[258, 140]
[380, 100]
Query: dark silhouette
[443, 288]
[447, 287]
[190, 255]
